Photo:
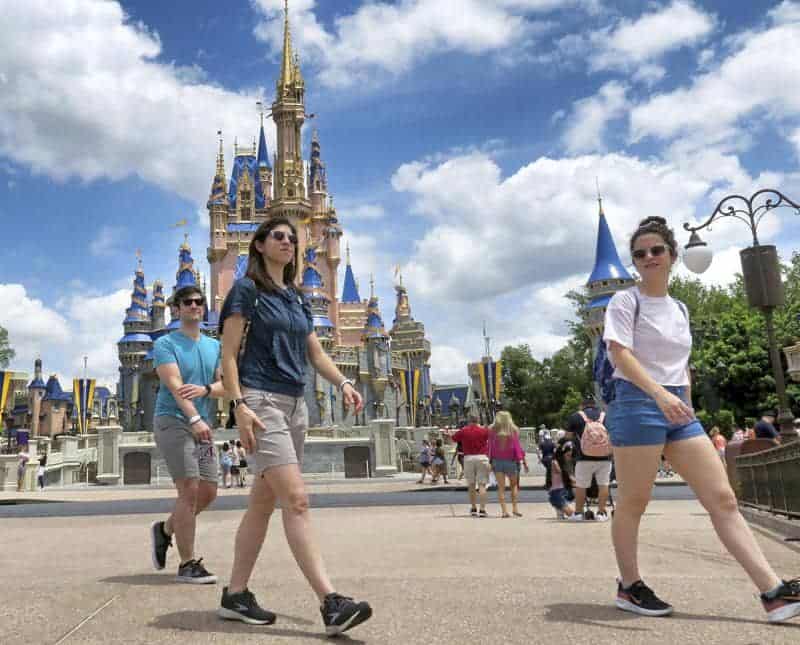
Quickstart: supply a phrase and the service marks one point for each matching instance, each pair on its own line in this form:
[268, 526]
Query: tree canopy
[7, 353]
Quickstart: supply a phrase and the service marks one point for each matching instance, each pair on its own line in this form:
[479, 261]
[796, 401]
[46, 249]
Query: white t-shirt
[660, 340]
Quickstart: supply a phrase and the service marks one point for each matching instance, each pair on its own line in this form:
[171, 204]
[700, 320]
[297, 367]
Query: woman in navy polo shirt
[267, 336]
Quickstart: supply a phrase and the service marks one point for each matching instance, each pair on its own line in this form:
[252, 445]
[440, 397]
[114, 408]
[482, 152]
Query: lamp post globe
[697, 255]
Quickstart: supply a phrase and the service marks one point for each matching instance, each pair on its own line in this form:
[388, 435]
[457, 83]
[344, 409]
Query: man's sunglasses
[188, 302]
[655, 251]
[279, 235]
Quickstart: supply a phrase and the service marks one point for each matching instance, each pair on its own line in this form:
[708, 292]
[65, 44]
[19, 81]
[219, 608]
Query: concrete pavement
[432, 574]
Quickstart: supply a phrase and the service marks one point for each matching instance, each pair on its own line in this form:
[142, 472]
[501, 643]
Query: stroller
[592, 497]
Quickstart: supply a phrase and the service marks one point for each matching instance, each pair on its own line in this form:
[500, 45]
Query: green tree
[7, 353]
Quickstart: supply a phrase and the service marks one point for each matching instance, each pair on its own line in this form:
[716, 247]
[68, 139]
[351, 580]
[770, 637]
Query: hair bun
[653, 219]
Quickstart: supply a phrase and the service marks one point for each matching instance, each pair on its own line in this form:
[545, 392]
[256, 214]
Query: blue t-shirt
[197, 361]
[274, 358]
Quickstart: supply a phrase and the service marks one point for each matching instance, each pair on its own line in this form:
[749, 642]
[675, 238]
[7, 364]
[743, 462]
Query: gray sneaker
[194, 573]
[243, 606]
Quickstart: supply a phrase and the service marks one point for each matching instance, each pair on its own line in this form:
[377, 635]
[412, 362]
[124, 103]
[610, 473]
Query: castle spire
[287, 63]
[350, 290]
[263, 153]
[607, 265]
[220, 158]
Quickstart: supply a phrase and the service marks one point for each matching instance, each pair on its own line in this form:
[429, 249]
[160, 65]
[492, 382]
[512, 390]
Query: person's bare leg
[501, 492]
[206, 493]
[514, 482]
[182, 522]
[602, 499]
[287, 483]
[473, 495]
[636, 471]
[482, 495]
[251, 533]
[580, 499]
[698, 463]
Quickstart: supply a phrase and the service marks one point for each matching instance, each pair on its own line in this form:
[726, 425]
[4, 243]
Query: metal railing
[770, 479]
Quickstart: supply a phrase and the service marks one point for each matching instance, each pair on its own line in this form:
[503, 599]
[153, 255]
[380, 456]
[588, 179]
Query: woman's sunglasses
[655, 251]
[188, 302]
[279, 235]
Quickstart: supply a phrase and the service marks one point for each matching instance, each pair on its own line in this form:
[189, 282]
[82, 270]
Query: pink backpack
[594, 440]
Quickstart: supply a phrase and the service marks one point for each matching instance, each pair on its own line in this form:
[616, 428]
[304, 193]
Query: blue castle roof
[185, 276]
[37, 382]
[241, 267]
[311, 278]
[607, 265]
[242, 164]
[53, 391]
[136, 338]
[263, 153]
[350, 290]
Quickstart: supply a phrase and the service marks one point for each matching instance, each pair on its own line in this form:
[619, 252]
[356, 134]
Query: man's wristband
[208, 390]
[237, 403]
[195, 419]
[347, 381]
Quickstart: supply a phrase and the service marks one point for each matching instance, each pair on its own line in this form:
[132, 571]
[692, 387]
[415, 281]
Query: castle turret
[36, 391]
[313, 288]
[352, 310]
[159, 306]
[264, 169]
[379, 359]
[186, 276]
[608, 276]
[289, 113]
[218, 204]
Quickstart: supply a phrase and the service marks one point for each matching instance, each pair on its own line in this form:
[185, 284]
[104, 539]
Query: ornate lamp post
[761, 272]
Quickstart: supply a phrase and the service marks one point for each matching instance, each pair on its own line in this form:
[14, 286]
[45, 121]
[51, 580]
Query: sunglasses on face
[188, 302]
[655, 251]
[279, 236]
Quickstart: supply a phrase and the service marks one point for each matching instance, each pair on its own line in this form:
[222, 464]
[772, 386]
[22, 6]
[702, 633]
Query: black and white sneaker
[473, 512]
[194, 573]
[160, 542]
[243, 606]
[640, 599]
[340, 613]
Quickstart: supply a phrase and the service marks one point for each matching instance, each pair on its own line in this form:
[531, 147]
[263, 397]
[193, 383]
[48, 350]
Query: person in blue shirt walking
[267, 337]
[188, 366]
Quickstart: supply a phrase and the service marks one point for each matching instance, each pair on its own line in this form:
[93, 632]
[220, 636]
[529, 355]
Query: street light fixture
[761, 272]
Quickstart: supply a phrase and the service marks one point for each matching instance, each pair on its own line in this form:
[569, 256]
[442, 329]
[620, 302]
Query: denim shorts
[557, 498]
[506, 466]
[634, 418]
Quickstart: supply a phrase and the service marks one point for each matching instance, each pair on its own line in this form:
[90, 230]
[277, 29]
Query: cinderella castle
[390, 368]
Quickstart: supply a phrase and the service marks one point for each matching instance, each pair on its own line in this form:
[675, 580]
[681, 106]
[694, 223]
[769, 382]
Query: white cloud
[86, 326]
[759, 77]
[590, 116]
[90, 100]
[787, 11]
[106, 241]
[649, 74]
[634, 42]
[393, 37]
[449, 364]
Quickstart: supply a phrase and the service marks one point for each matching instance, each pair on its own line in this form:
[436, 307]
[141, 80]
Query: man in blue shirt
[765, 428]
[188, 366]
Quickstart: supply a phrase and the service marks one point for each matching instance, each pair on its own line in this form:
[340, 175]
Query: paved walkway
[432, 574]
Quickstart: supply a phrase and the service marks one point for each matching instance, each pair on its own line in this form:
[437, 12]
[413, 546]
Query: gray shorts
[185, 457]
[286, 419]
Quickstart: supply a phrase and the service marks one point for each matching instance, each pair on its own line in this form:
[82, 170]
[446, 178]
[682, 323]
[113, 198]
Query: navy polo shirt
[274, 358]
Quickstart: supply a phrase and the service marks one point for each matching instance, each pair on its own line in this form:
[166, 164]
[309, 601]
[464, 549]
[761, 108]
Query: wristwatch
[237, 402]
[347, 381]
[208, 390]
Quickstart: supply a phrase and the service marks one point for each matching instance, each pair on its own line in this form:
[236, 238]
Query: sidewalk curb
[427, 488]
[780, 525]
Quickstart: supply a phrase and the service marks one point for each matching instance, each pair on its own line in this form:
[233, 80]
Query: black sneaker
[785, 603]
[340, 613]
[640, 599]
[483, 513]
[160, 542]
[194, 573]
[473, 511]
[243, 606]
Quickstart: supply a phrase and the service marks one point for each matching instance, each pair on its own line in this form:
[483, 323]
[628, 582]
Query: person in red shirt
[474, 441]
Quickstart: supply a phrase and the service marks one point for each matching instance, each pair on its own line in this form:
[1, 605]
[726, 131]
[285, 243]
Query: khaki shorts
[184, 456]
[286, 419]
[476, 469]
[585, 469]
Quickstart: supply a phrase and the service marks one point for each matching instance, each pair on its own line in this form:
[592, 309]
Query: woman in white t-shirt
[649, 341]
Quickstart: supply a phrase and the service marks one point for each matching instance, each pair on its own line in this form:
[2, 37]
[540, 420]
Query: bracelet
[208, 390]
[195, 419]
[347, 381]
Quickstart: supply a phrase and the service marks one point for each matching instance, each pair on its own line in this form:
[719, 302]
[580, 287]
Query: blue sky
[462, 140]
